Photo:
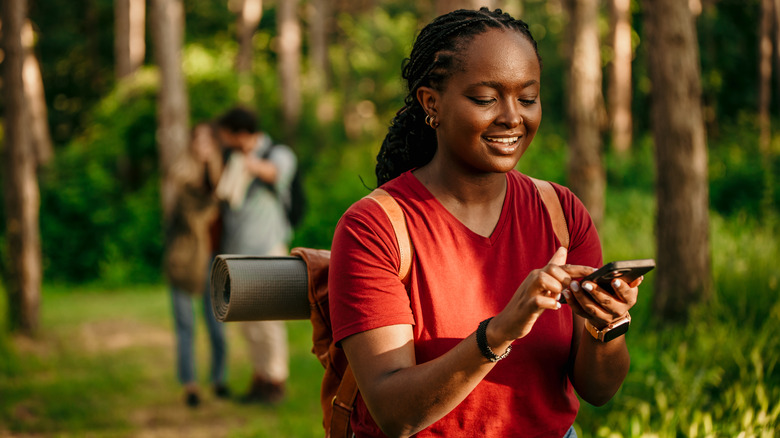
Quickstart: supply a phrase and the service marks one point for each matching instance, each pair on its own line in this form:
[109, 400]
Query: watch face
[616, 331]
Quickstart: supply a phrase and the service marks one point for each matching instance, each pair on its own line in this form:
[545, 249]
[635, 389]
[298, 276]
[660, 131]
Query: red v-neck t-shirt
[457, 279]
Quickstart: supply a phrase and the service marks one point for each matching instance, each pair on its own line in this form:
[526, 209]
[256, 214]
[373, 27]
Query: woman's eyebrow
[499, 85]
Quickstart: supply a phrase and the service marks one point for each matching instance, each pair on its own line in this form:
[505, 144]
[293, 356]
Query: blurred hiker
[254, 188]
[188, 256]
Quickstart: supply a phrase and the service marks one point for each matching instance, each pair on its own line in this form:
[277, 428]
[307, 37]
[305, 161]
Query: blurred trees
[585, 107]
[129, 36]
[101, 195]
[173, 111]
[289, 46]
[682, 223]
[620, 75]
[248, 14]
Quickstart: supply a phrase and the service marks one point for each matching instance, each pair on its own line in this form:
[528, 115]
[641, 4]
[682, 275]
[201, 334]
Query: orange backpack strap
[553, 205]
[398, 220]
[344, 401]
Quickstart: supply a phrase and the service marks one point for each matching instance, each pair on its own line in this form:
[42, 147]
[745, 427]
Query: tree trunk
[248, 18]
[682, 223]
[620, 79]
[776, 41]
[22, 196]
[167, 17]
[319, 31]
[765, 76]
[586, 107]
[289, 30]
[129, 42]
[36, 99]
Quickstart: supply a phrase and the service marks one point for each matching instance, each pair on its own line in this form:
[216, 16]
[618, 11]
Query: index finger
[577, 271]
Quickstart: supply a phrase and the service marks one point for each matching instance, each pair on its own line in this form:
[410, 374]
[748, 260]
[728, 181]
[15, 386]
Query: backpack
[295, 201]
[339, 389]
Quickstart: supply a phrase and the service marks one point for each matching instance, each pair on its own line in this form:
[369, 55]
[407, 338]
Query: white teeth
[509, 140]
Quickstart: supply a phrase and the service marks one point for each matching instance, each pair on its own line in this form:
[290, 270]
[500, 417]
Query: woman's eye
[479, 101]
[527, 102]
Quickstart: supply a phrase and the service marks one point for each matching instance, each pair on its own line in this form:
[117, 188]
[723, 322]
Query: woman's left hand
[599, 306]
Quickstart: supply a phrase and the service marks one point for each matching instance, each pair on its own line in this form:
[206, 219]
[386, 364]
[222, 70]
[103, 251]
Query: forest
[663, 116]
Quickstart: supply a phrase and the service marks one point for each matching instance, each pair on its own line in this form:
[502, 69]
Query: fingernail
[557, 305]
[616, 283]
[575, 286]
[588, 287]
[566, 294]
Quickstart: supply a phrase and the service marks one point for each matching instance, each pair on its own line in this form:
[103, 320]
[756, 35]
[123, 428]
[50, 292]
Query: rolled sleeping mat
[253, 288]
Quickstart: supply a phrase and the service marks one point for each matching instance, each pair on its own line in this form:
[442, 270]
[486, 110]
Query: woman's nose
[510, 116]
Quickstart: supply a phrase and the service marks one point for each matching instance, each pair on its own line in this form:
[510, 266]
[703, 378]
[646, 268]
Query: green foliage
[100, 206]
[717, 374]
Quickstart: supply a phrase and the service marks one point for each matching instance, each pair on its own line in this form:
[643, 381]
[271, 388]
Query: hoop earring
[431, 121]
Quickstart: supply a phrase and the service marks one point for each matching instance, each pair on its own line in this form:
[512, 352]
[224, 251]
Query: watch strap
[611, 331]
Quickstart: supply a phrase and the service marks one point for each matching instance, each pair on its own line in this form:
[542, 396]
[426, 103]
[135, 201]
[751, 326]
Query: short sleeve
[365, 291]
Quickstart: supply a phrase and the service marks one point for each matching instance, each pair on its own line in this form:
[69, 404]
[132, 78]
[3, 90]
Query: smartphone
[626, 270]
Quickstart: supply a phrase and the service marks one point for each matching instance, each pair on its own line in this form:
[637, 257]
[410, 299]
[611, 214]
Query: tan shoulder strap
[553, 205]
[344, 401]
[343, 404]
[398, 220]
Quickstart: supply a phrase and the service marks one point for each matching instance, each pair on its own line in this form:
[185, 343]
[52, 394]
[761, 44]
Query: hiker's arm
[264, 170]
[278, 170]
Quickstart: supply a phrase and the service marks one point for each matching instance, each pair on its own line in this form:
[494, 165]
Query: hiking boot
[192, 399]
[221, 391]
[264, 392]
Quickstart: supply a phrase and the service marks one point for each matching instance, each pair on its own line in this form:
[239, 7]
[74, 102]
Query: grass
[103, 365]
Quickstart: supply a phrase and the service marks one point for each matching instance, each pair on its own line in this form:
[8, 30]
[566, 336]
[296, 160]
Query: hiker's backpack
[339, 389]
[295, 201]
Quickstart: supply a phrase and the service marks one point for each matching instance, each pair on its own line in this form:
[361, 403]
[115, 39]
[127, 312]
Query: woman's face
[203, 144]
[489, 109]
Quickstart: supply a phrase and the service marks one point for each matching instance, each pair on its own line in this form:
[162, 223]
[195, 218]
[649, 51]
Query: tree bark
[248, 18]
[620, 78]
[319, 31]
[129, 42]
[683, 276]
[289, 30]
[765, 76]
[586, 107]
[167, 19]
[36, 100]
[22, 196]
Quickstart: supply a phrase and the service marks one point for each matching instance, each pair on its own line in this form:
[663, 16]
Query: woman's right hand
[539, 291]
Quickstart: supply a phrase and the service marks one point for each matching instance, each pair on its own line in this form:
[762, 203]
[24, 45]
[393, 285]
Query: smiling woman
[476, 341]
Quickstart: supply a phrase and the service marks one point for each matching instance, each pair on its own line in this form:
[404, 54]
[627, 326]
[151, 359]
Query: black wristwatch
[613, 330]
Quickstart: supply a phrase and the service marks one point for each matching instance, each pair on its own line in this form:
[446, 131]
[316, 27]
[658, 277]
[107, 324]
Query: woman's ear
[427, 97]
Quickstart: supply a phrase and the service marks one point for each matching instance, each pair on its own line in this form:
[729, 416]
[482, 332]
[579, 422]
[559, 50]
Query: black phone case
[626, 270]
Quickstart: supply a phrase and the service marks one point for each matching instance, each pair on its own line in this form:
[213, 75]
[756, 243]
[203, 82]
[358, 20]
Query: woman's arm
[600, 367]
[404, 397]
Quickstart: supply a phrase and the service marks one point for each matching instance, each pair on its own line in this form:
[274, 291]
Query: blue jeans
[571, 433]
[184, 324]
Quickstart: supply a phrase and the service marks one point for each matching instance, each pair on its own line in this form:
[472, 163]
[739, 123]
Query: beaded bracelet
[482, 343]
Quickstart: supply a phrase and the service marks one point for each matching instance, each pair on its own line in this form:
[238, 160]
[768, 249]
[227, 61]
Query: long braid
[410, 143]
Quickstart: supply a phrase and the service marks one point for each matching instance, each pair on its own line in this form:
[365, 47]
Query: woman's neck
[476, 200]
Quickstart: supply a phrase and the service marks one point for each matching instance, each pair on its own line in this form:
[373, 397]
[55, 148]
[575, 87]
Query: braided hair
[410, 143]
